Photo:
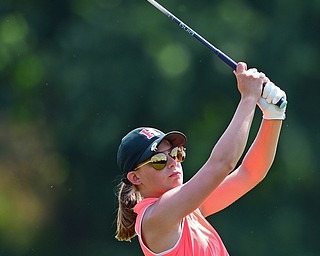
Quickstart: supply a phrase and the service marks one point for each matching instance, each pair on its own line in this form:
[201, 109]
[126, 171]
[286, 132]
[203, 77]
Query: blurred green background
[77, 75]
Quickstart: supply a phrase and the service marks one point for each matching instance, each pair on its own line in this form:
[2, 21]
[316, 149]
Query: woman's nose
[171, 162]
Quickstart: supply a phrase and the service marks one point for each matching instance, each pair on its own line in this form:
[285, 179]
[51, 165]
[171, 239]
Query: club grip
[231, 63]
[282, 103]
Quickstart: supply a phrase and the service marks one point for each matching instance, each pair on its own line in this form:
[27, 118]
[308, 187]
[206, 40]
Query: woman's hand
[249, 81]
[270, 96]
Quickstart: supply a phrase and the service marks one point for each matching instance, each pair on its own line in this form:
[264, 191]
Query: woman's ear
[134, 178]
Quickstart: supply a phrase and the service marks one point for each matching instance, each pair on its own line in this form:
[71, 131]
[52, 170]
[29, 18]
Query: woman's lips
[174, 174]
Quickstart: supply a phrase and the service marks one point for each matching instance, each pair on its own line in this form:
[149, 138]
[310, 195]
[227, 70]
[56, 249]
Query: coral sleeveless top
[198, 237]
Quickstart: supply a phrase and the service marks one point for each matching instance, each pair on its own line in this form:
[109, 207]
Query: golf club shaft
[230, 62]
[225, 58]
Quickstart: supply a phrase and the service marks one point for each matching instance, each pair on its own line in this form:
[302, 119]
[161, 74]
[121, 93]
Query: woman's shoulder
[143, 204]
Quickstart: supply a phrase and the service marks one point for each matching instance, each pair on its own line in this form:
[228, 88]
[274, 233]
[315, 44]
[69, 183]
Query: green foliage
[77, 75]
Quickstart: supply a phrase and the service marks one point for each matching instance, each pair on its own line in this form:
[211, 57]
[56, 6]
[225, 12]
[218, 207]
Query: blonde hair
[128, 197]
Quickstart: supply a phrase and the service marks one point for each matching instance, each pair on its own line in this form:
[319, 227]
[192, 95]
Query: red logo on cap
[149, 133]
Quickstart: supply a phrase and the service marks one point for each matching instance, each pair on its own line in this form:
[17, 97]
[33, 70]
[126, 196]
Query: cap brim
[175, 138]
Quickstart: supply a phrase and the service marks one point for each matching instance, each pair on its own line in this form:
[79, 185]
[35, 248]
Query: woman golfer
[168, 215]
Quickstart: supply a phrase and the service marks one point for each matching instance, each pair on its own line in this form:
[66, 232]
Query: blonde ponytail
[128, 197]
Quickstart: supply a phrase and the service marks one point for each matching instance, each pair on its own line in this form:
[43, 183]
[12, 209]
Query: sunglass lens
[178, 154]
[159, 161]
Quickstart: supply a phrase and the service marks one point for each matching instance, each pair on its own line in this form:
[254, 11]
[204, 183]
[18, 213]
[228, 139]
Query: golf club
[225, 58]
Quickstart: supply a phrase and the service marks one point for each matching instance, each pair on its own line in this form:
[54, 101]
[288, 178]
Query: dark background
[77, 75]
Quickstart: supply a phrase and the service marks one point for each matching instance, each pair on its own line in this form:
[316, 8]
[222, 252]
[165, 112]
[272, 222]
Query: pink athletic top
[198, 237]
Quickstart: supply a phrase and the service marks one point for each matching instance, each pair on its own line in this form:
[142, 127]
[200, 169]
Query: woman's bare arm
[253, 169]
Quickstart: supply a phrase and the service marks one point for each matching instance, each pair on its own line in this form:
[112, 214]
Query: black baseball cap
[141, 143]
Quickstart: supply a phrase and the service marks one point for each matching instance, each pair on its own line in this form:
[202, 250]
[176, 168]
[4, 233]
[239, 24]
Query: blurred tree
[77, 75]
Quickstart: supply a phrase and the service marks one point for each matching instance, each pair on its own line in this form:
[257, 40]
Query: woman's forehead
[165, 144]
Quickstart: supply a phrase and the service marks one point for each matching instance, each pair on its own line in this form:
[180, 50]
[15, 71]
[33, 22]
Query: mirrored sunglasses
[160, 160]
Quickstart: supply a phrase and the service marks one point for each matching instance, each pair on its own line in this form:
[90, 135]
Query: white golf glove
[270, 96]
